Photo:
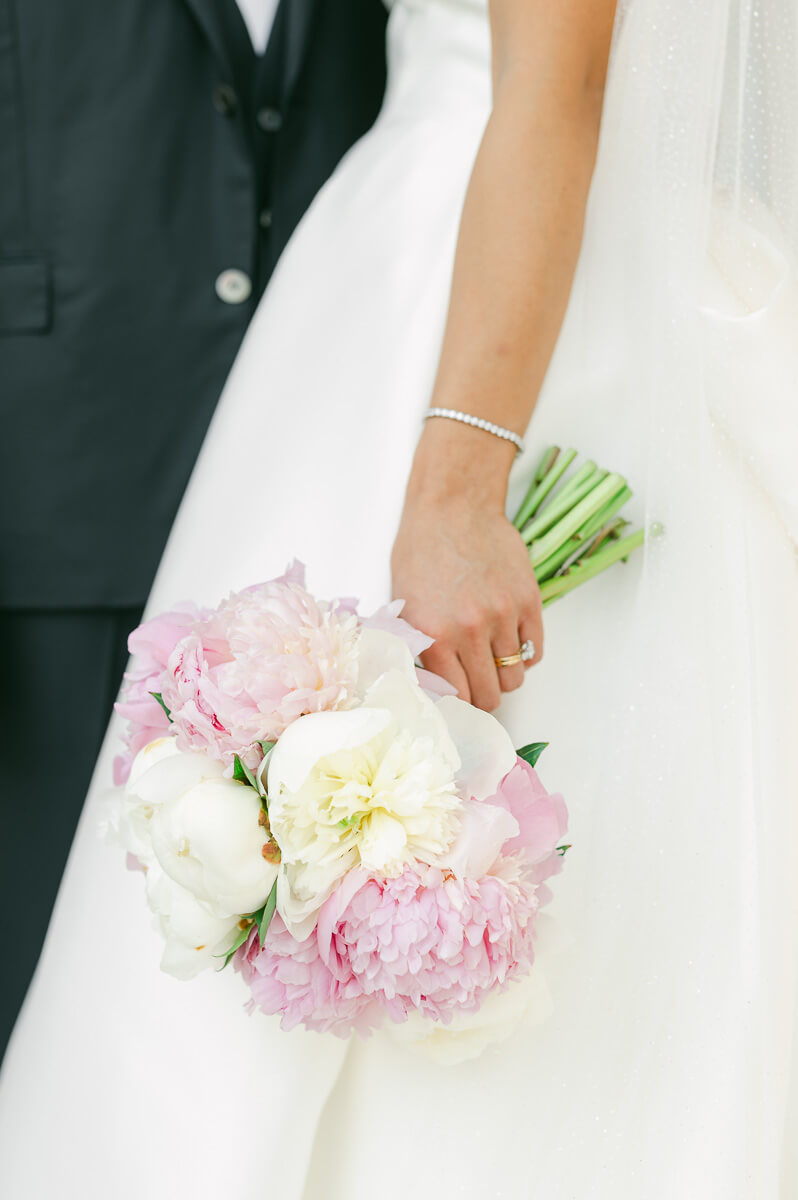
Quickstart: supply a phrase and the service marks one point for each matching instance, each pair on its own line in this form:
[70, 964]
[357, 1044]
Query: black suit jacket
[145, 152]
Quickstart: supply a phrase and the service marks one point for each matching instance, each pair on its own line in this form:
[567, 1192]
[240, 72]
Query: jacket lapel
[296, 16]
[299, 19]
[206, 14]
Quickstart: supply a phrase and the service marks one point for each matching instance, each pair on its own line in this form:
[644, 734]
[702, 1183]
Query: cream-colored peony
[376, 787]
[526, 1000]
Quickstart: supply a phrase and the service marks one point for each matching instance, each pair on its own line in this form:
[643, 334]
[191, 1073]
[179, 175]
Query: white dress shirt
[259, 17]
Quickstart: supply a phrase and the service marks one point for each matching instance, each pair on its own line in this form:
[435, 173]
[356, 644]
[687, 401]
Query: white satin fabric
[668, 694]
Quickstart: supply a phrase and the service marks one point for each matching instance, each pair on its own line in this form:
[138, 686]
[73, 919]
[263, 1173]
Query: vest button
[233, 286]
[224, 99]
[265, 218]
[269, 120]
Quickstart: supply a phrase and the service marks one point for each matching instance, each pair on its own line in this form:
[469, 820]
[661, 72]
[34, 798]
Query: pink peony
[288, 978]
[151, 645]
[266, 656]
[239, 675]
[427, 942]
[542, 821]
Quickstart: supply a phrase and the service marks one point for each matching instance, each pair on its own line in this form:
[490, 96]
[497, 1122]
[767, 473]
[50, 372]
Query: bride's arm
[460, 565]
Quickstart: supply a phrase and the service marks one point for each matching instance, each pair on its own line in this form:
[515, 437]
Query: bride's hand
[462, 568]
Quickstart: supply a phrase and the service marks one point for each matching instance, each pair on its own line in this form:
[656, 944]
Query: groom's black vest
[151, 171]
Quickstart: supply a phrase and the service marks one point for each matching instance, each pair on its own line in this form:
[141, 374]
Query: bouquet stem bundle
[575, 532]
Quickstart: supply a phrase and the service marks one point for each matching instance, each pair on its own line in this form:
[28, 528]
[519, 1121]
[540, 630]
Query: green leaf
[532, 752]
[157, 696]
[267, 746]
[348, 822]
[240, 938]
[562, 850]
[242, 773]
[266, 914]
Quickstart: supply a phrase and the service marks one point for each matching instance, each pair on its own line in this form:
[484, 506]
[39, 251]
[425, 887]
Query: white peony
[378, 786]
[157, 770]
[373, 787]
[525, 1001]
[206, 836]
[195, 940]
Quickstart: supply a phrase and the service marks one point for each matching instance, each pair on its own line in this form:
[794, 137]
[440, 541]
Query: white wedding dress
[667, 1069]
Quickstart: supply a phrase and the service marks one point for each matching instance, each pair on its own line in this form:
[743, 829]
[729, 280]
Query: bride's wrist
[453, 460]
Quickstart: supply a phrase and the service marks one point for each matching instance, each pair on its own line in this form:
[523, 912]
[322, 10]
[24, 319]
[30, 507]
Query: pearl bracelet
[452, 414]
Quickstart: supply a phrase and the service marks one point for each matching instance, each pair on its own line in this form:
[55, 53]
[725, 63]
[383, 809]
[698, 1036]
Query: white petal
[382, 847]
[315, 736]
[209, 841]
[301, 892]
[413, 710]
[147, 757]
[172, 774]
[378, 652]
[193, 936]
[484, 828]
[485, 748]
[526, 1000]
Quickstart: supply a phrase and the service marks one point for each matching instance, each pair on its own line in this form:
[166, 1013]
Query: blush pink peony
[426, 942]
[542, 823]
[264, 657]
[151, 645]
[240, 674]
[419, 942]
[289, 979]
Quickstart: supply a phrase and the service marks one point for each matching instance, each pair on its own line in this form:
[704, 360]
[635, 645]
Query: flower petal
[379, 652]
[485, 748]
[315, 736]
[414, 711]
[382, 842]
[210, 842]
[484, 828]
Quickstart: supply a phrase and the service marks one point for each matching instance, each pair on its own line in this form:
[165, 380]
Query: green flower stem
[597, 522]
[611, 552]
[550, 566]
[572, 521]
[588, 471]
[582, 484]
[552, 467]
[575, 549]
[595, 528]
[609, 533]
[550, 456]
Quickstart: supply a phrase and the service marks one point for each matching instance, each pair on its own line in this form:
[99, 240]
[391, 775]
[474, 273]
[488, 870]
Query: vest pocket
[25, 295]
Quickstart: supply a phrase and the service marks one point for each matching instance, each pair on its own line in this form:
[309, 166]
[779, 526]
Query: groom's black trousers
[59, 675]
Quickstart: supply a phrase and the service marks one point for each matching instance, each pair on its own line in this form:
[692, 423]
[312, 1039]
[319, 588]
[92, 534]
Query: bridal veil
[684, 325]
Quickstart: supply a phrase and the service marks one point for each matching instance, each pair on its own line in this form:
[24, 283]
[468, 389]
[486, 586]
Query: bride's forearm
[460, 565]
[519, 237]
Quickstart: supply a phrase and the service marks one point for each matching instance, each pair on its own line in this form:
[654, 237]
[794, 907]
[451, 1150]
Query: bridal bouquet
[305, 801]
